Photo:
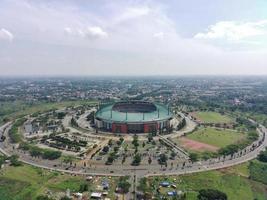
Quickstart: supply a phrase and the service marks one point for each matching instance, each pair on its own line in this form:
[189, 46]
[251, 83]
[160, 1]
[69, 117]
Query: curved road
[242, 156]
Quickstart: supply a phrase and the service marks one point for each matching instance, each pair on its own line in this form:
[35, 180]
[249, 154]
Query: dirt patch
[196, 146]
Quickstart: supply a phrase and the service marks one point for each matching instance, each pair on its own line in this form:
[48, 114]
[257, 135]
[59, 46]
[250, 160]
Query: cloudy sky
[132, 37]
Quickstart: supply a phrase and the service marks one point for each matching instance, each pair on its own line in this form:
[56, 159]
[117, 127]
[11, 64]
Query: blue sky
[120, 37]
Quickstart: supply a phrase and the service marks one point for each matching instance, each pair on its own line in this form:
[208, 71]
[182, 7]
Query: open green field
[18, 108]
[27, 182]
[232, 181]
[217, 137]
[213, 117]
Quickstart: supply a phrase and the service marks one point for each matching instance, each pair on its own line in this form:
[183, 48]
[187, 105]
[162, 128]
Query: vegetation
[2, 160]
[233, 181]
[136, 159]
[258, 171]
[14, 161]
[211, 194]
[17, 109]
[193, 157]
[181, 125]
[43, 197]
[27, 182]
[124, 184]
[213, 117]
[217, 137]
[162, 159]
[263, 156]
[39, 152]
[14, 134]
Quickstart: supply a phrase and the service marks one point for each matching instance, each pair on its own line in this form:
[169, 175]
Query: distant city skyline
[133, 37]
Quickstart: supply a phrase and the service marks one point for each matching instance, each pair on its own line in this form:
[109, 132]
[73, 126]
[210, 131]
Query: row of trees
[14, 135]
[39, 152]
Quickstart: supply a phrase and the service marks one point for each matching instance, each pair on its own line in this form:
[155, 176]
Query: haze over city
[133, 37]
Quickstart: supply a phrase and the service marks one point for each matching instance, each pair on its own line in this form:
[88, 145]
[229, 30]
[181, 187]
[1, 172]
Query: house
[96, 195]
[105, 185]
[165, 184]
[172, 193]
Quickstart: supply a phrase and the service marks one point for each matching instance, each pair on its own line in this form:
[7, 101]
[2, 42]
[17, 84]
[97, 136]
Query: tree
[83, 187]
[43, 197]
[65, 198]
[144, 144]
[68, 159]
[149, 160]
[143, 186]
[73, 122]
[105, 149]
[123, 184]
[150, 137]
[61, 115]
[35, 152]
[14, 160]
[116, 149]
[110, 142]
[211, 194]
[135, 141]
[111, 158]
[162, 159]
[173, 154]
[136, 159]
[263, 156]
[121, 140]
[2, 160]
[51, 155]
[193, 157]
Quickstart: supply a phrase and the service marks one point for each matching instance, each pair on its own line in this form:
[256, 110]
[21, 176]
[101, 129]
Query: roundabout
[91, 153]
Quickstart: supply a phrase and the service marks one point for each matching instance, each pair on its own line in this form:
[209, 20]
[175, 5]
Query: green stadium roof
[160, 114]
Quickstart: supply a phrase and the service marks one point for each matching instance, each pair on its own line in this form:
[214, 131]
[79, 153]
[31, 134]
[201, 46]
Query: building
[133, 117]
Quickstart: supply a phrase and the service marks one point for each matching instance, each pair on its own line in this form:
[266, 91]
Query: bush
[124, 185]
[51, 155]
[263, 156]
[211, 194]
[14, 160]
[258, 171]
[162, 159]
[15, 137]
[43, 197]
[193, 157]
[136, 160]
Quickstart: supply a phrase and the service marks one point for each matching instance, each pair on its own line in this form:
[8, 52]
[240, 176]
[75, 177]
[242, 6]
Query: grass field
[216, 137]
[213, 117]
[26, 183]
[231, 181]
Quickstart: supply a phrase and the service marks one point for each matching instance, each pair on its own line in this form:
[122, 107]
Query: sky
[133, 37]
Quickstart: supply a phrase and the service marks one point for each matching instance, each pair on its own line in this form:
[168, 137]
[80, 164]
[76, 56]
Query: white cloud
[159, 35]
[131, 13]
[68, 30]
[6, 35]
[93, 32]
[234, 31]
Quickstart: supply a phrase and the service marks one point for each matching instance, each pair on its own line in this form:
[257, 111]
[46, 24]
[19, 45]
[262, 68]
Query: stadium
[133, 117]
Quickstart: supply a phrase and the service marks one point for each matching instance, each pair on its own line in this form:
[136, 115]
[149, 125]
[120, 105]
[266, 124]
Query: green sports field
[217, 137]
[213, 117]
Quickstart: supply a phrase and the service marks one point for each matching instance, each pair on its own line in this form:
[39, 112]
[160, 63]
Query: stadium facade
[133, 117]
